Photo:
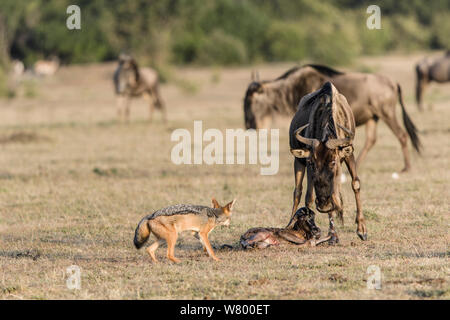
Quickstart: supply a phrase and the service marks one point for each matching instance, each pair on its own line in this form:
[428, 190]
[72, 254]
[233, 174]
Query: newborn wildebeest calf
[301, 230]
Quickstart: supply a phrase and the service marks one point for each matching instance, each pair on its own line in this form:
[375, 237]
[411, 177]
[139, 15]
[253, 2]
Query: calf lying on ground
[301, 230]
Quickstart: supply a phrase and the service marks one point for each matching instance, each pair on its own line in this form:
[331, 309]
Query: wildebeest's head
[251, 101]
[126, 74]
[303, 220]
[320, 146]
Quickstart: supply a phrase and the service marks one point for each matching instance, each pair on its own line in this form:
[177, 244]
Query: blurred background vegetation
[218, 32]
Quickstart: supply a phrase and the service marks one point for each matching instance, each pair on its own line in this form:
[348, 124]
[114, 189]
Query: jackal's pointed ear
[214, 203]
[230, 205]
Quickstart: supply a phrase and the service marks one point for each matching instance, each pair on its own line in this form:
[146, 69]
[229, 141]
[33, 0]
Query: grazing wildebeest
[301, 230]
[428, 70]
[320, 137]
[371, 97]
[46, 67]
[132, 81]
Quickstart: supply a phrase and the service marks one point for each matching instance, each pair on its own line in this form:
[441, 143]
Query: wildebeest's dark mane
[288, 73]
[320, 68]
[322, 116]
[324, 69]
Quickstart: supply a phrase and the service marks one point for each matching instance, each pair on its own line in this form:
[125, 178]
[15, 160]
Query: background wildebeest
[371, 97]
[132, 81]
[320, 137]
[428, 70]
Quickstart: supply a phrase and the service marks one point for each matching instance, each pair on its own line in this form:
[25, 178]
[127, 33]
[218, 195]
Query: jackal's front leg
[205, 242]
[195, 234]
[152, 248]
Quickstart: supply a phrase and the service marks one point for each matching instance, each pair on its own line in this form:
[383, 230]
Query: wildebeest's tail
[409, 125]
[142, 233]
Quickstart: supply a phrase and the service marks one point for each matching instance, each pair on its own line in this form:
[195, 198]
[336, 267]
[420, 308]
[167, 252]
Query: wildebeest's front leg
[309, 198]
[291, 238]
[120, 106]
[331, 230]
[356, 185]
[299, 172]
[123, 107]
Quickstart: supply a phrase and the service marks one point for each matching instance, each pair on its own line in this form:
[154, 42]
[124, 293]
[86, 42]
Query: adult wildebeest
[320, 137]
[428, 70]
[371, 97]
[132, 81]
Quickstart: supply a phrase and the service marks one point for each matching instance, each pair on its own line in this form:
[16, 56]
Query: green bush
[408, 33]
[334, 43]
[186, 47]
[220, 31]
[375, 41]
[286, 41]
[222, 49]
[441, 31]
[4, 92]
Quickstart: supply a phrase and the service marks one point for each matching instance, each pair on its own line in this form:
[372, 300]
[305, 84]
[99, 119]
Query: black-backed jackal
[166, 223]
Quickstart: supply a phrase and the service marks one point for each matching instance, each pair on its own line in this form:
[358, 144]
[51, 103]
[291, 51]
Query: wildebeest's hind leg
[159, 103]
[401, 135]
[151, 104]
[299, 173]
[257, 237]
[371, 138]
[361, 230]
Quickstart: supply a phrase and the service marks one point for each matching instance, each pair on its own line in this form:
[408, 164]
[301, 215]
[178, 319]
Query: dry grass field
[74, 183]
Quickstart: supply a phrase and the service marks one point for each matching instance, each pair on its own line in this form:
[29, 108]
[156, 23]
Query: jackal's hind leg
[171, 240]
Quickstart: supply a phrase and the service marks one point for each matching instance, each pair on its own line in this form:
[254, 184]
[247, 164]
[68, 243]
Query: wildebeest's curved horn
[307, 141]
[335, 143]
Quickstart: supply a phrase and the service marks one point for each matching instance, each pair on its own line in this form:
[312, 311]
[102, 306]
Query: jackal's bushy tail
[142, 233]
[409, 125]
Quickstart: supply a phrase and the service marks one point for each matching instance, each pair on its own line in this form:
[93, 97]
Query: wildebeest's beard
[323, 169]
[126, 75]
[121, 80]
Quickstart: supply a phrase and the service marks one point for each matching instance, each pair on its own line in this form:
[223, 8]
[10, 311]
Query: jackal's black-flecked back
[183, 209]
